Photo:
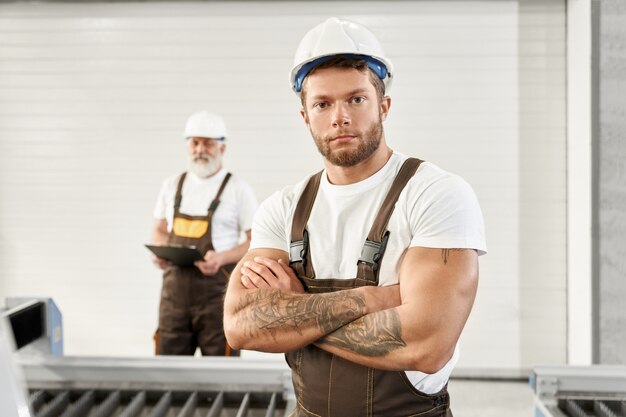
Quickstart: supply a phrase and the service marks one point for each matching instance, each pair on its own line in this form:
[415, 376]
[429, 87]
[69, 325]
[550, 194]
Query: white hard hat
[339, 37]
[204, 124]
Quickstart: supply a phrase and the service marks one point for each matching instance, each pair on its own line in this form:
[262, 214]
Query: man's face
[344, 114]
[205, 156]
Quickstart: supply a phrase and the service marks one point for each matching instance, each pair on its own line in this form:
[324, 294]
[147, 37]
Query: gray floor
[476, 398]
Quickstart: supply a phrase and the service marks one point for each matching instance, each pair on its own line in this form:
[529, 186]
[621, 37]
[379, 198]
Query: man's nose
[341, 118]
[201, 148]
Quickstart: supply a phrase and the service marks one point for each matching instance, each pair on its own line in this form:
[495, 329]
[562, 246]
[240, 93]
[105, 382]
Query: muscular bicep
[437, 288]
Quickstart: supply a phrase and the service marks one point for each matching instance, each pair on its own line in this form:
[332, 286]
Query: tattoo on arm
[445, 254]
[267, 311]
[372, 335]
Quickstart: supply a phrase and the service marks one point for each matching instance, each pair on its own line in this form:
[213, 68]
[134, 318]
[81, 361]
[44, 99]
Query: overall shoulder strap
[376, 242]
[216, 200]
[299, 254]
[179, 191]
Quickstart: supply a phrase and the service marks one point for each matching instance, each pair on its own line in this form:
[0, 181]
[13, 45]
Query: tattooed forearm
[267, 311]
[371, 335]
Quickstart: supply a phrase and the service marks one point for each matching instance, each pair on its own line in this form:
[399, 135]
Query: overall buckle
[298, 250]
[372, 252]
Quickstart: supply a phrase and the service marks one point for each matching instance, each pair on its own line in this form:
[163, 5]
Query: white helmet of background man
[339, 37]
[204, 124]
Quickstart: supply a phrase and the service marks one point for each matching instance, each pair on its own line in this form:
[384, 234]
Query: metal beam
[159, 373]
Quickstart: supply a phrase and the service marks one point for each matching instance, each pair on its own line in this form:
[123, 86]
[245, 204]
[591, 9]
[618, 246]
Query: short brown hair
[348, 62]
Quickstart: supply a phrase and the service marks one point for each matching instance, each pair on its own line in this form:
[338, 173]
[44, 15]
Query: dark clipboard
[178, 255]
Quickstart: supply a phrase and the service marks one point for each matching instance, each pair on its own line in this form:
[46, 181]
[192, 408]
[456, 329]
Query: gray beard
[204, 169]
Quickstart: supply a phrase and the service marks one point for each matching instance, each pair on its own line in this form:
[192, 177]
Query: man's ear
[385, 105]
[223, 148]
[304, 115]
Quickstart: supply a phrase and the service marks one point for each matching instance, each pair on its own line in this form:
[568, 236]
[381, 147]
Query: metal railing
[78, 403]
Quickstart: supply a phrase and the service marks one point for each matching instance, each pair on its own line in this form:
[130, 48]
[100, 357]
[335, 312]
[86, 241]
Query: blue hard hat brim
[222, 139]
[379, 68]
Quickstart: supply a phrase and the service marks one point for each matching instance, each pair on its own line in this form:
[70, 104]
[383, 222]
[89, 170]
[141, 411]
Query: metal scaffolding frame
[580, 391]
[157, 387]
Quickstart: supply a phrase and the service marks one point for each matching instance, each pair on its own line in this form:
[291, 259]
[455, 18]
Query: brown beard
[369, 143]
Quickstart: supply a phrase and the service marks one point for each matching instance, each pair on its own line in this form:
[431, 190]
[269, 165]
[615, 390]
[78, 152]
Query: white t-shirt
[234, 214]
[436, 209]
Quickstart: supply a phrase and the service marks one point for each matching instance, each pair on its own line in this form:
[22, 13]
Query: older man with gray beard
[207, 208]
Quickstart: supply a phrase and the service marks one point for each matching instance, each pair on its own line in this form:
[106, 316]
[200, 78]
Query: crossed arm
[274, 315]
[412, 326]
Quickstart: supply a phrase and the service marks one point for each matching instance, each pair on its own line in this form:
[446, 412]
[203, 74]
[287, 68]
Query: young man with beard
[208, 208]
[365, 273]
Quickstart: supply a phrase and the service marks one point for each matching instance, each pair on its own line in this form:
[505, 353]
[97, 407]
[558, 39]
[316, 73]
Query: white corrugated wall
[93, 99]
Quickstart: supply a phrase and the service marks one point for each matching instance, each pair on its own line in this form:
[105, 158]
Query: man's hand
[210, 264]
[161, 263]
[265, 272]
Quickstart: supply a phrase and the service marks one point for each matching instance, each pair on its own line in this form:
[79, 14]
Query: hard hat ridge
[204, 124]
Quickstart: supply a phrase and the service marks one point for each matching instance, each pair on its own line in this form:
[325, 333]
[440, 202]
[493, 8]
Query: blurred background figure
[207, 208]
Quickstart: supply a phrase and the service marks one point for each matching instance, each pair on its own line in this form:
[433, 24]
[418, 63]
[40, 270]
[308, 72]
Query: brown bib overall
[327, 385]
[191, 310]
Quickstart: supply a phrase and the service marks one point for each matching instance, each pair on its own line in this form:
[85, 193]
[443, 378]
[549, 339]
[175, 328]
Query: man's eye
[321, 105]
[358, 100]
